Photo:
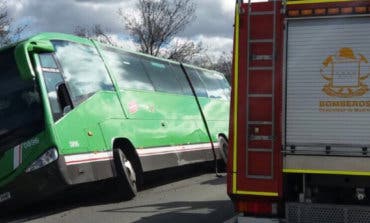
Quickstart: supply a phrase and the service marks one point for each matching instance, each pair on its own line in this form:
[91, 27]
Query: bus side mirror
[64, 99]
[22, 55]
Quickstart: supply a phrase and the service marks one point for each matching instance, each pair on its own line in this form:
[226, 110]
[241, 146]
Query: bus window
[226, 86]
[21, 113]
[197, 83]
[162, 75]
[179, 74]
[83, 69]
[128, 70]
[47, 61]
[214, 84]
[52, 78]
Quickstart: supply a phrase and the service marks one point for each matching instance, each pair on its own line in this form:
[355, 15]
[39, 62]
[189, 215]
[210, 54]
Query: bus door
[81, 96]
[71, 135]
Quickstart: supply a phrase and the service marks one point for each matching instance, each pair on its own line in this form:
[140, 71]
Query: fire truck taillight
[360, 9]
[306, 12]
[347, 10]
[293, 13]
[320, 11]
[333, 11]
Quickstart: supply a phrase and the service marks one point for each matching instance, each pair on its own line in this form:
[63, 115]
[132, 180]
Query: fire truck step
[263, 13]
[260, 68]
[259, 123]
[260, 95]
[259, 138]
[261, 57]
[262, 177]
[261, 41]
[265, 150]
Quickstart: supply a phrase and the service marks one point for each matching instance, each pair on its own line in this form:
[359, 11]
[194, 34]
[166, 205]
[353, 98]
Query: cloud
[214, 17]
[214, 23]
[65, 15]
[216, 46]
[123, 42]
[99, 1]
[228, 6]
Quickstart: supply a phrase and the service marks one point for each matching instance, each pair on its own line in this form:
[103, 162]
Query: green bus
[73, 110]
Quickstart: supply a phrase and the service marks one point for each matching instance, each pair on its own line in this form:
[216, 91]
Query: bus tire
[224, 145]
[126, 175]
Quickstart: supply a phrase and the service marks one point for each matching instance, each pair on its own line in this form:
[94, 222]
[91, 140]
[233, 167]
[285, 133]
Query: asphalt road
[174, 196]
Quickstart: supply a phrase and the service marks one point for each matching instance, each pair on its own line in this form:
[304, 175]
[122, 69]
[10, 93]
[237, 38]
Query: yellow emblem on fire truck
[344, 75]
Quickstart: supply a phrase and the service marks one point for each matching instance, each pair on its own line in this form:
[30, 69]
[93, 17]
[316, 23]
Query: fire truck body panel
[256, 163]
[300, 104]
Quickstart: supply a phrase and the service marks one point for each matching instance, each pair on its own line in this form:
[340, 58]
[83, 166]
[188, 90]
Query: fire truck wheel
[224, 145]
[126, 175]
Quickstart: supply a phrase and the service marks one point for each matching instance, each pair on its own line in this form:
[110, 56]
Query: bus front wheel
[126, 175]
[224, 145]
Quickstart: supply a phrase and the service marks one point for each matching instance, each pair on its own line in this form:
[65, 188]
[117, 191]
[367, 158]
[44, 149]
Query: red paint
[260, 109]
[133, 107]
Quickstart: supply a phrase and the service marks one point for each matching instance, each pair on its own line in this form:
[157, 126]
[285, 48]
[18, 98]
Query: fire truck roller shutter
[328, 85]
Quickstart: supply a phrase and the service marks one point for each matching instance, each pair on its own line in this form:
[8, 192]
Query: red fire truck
[300, 113]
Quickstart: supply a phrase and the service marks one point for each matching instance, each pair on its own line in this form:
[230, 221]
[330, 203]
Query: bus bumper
[31, 187]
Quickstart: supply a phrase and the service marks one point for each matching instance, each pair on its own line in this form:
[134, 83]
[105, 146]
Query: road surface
[166, 197]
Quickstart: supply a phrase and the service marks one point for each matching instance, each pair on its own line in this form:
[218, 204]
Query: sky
[213, 25]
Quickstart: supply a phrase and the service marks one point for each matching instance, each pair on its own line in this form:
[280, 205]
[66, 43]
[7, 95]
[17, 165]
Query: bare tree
[155, 24]
[183, 51]
[94, 32]
[8, 32]
[222, 64]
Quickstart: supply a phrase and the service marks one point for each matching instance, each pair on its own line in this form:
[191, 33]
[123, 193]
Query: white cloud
[228, 6]
[213, 26]
[215, 45]
[125, 43]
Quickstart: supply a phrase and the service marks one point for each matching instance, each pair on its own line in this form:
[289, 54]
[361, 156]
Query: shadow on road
[216, 181]
[79, 196]
[181, 212]
[98, 194]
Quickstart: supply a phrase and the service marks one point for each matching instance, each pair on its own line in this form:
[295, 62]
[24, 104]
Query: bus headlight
[46, 158]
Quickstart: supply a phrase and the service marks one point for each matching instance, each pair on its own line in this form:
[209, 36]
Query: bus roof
[83, 40]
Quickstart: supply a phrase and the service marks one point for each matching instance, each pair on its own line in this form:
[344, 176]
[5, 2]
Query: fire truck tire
[126, 175]
[224, 145]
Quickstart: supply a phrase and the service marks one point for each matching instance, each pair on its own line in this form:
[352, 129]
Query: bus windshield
[20, 104]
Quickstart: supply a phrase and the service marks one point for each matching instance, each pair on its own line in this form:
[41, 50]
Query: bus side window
[213, 81]
[128, 70]
[179, 75]
[83, 70]
[197, 83]
[162, 75]
[52, 78]
[226, 86]
[48, 61]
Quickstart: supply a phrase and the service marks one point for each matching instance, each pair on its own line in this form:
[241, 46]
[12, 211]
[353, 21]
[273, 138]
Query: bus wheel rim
[130, 171]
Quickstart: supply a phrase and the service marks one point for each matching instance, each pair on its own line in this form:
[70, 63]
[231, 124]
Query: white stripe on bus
[17, 156]
[88, 157]
[104, 156]
[174, 149]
